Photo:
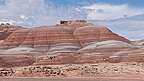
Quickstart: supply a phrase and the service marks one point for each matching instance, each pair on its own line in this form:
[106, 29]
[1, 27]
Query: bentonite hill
[70, 42]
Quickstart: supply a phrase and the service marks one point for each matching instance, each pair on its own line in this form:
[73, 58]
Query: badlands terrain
[69, 49]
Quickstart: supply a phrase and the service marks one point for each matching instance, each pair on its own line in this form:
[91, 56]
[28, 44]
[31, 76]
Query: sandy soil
[99, 70]
[64, 79]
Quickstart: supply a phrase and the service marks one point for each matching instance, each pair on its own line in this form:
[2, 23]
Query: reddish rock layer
[5, 30]
[45, 37]
[16, 60]
[99, 56]
[64, 42]
[89, 34]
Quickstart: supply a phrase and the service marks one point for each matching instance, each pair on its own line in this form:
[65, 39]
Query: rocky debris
[6, 72]
[43, 71]
[114, 70]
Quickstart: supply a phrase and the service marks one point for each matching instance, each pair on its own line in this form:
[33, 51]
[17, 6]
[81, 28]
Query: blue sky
[134, 3]
[125, 17]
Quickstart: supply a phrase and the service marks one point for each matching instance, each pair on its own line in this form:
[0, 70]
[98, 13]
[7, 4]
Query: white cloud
[22, 10]
[108, 11]
[36, 12]
[23, 17]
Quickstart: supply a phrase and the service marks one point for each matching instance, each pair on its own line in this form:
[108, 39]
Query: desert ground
[66, 79]
[125, 70]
